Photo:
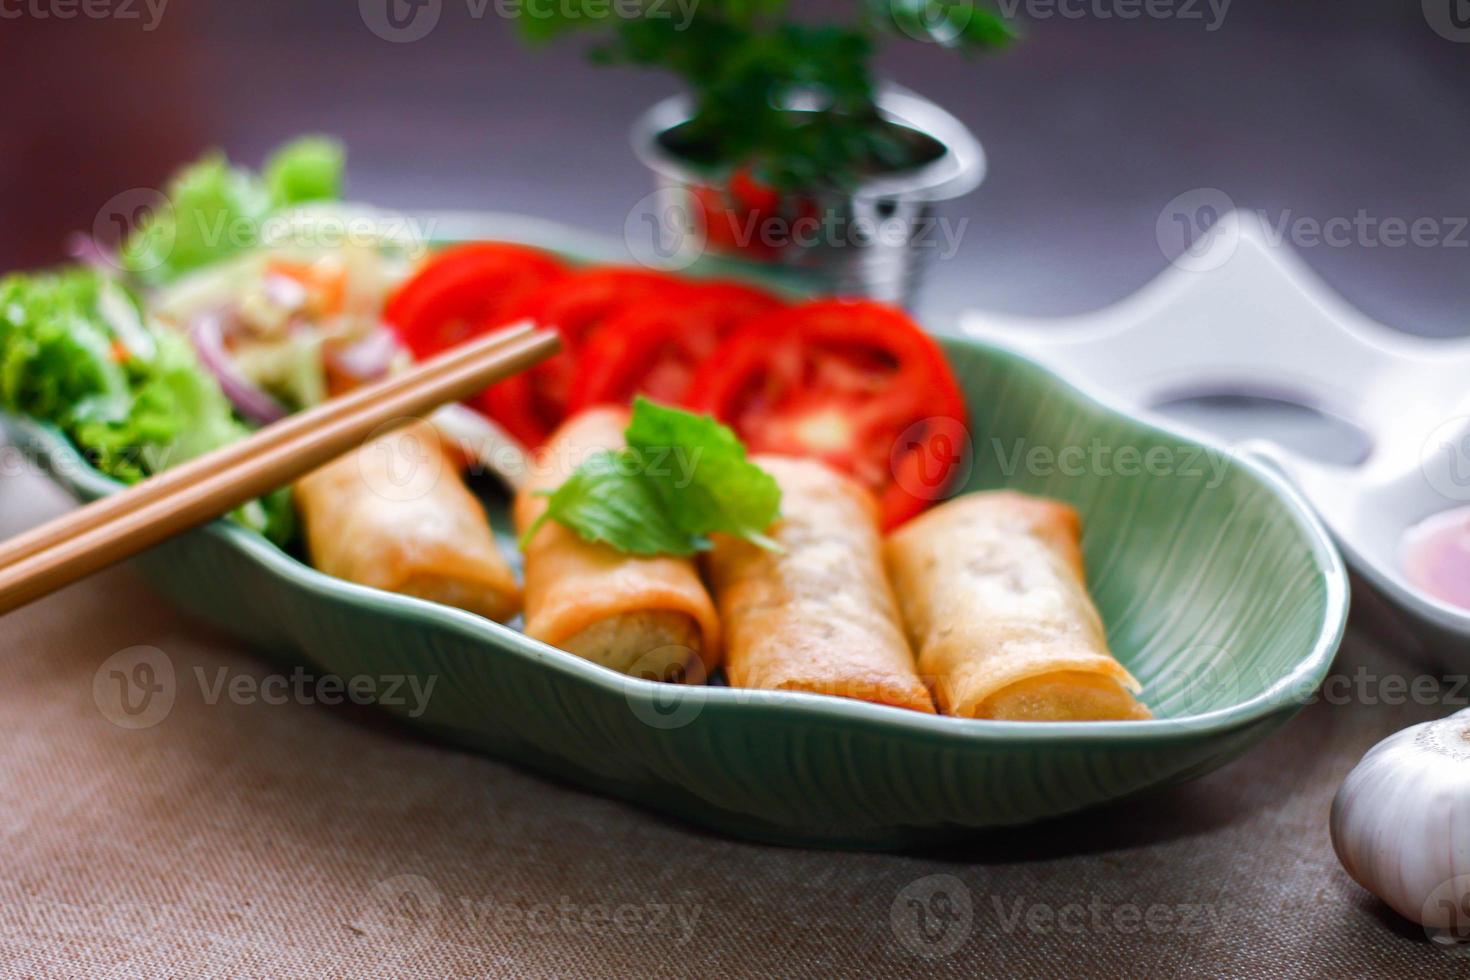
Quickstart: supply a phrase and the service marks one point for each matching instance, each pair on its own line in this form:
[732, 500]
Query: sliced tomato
[854, 383]
[655, 346]
[465, 291]
[533, 403]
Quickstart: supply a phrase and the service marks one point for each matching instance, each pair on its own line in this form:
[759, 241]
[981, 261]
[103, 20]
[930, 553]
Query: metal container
[874, 241]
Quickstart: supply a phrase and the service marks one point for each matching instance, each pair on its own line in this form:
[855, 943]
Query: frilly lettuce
[133, 403]
[213, 209]
[304, 170]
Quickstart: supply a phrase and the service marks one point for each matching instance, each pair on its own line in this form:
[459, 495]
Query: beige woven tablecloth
[249, 838]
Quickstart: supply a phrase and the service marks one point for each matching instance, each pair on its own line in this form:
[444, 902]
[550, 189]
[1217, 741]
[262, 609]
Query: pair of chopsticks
[122, 524]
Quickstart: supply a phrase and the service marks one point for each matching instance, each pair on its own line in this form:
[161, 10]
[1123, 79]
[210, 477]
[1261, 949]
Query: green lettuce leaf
[213, 210]
[133, 405]
[55, 354]
[306, 169]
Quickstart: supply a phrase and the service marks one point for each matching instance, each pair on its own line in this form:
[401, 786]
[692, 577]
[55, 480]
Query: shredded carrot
[325, 283]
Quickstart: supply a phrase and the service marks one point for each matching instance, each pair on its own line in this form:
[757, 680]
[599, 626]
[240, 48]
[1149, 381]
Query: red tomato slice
[854, 383]
[533, 403]
[465, 291]
[654, 347]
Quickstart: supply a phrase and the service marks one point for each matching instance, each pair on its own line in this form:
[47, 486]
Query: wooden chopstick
[222, 480]
[170, 481]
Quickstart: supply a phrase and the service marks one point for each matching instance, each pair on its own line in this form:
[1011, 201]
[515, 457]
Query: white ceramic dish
[1248, 316]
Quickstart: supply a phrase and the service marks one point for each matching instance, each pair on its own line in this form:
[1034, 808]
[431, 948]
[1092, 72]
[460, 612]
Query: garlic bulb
[1401, 825]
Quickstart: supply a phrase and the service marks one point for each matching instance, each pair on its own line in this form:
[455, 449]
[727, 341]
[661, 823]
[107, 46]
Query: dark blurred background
[1312, 108]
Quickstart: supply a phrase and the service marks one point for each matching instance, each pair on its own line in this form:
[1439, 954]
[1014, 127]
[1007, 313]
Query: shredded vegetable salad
[241, 297]
[244, 296]
[76, 351]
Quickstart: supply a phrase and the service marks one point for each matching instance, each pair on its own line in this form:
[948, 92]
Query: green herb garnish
[746, 63]
[681, 478]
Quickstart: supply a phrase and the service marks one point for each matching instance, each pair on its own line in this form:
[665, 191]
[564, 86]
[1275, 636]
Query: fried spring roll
[395, 514]
[818, 615]
[650, 616]
[992, 592]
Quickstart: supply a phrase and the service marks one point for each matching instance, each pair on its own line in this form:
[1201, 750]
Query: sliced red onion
[284, 292]
[207, 335]
[85, 249]
[483, 443]
[367, 359]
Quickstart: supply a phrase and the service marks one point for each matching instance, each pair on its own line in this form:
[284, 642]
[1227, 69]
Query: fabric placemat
[234, 835]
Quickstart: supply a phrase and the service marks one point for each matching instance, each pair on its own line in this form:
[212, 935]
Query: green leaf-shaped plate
[1220, 591]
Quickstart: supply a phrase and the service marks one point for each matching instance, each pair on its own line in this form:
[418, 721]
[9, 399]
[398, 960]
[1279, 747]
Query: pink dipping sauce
[1436, 556]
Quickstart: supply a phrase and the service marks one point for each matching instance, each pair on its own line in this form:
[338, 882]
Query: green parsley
[745, 62]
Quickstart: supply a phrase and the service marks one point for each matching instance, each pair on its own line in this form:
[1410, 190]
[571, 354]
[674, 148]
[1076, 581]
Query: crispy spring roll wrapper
[395, 514]
[818, 615]
[993, 594]
[649, 616]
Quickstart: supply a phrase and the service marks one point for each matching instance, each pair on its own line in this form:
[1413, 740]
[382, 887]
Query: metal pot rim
[957, 172]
